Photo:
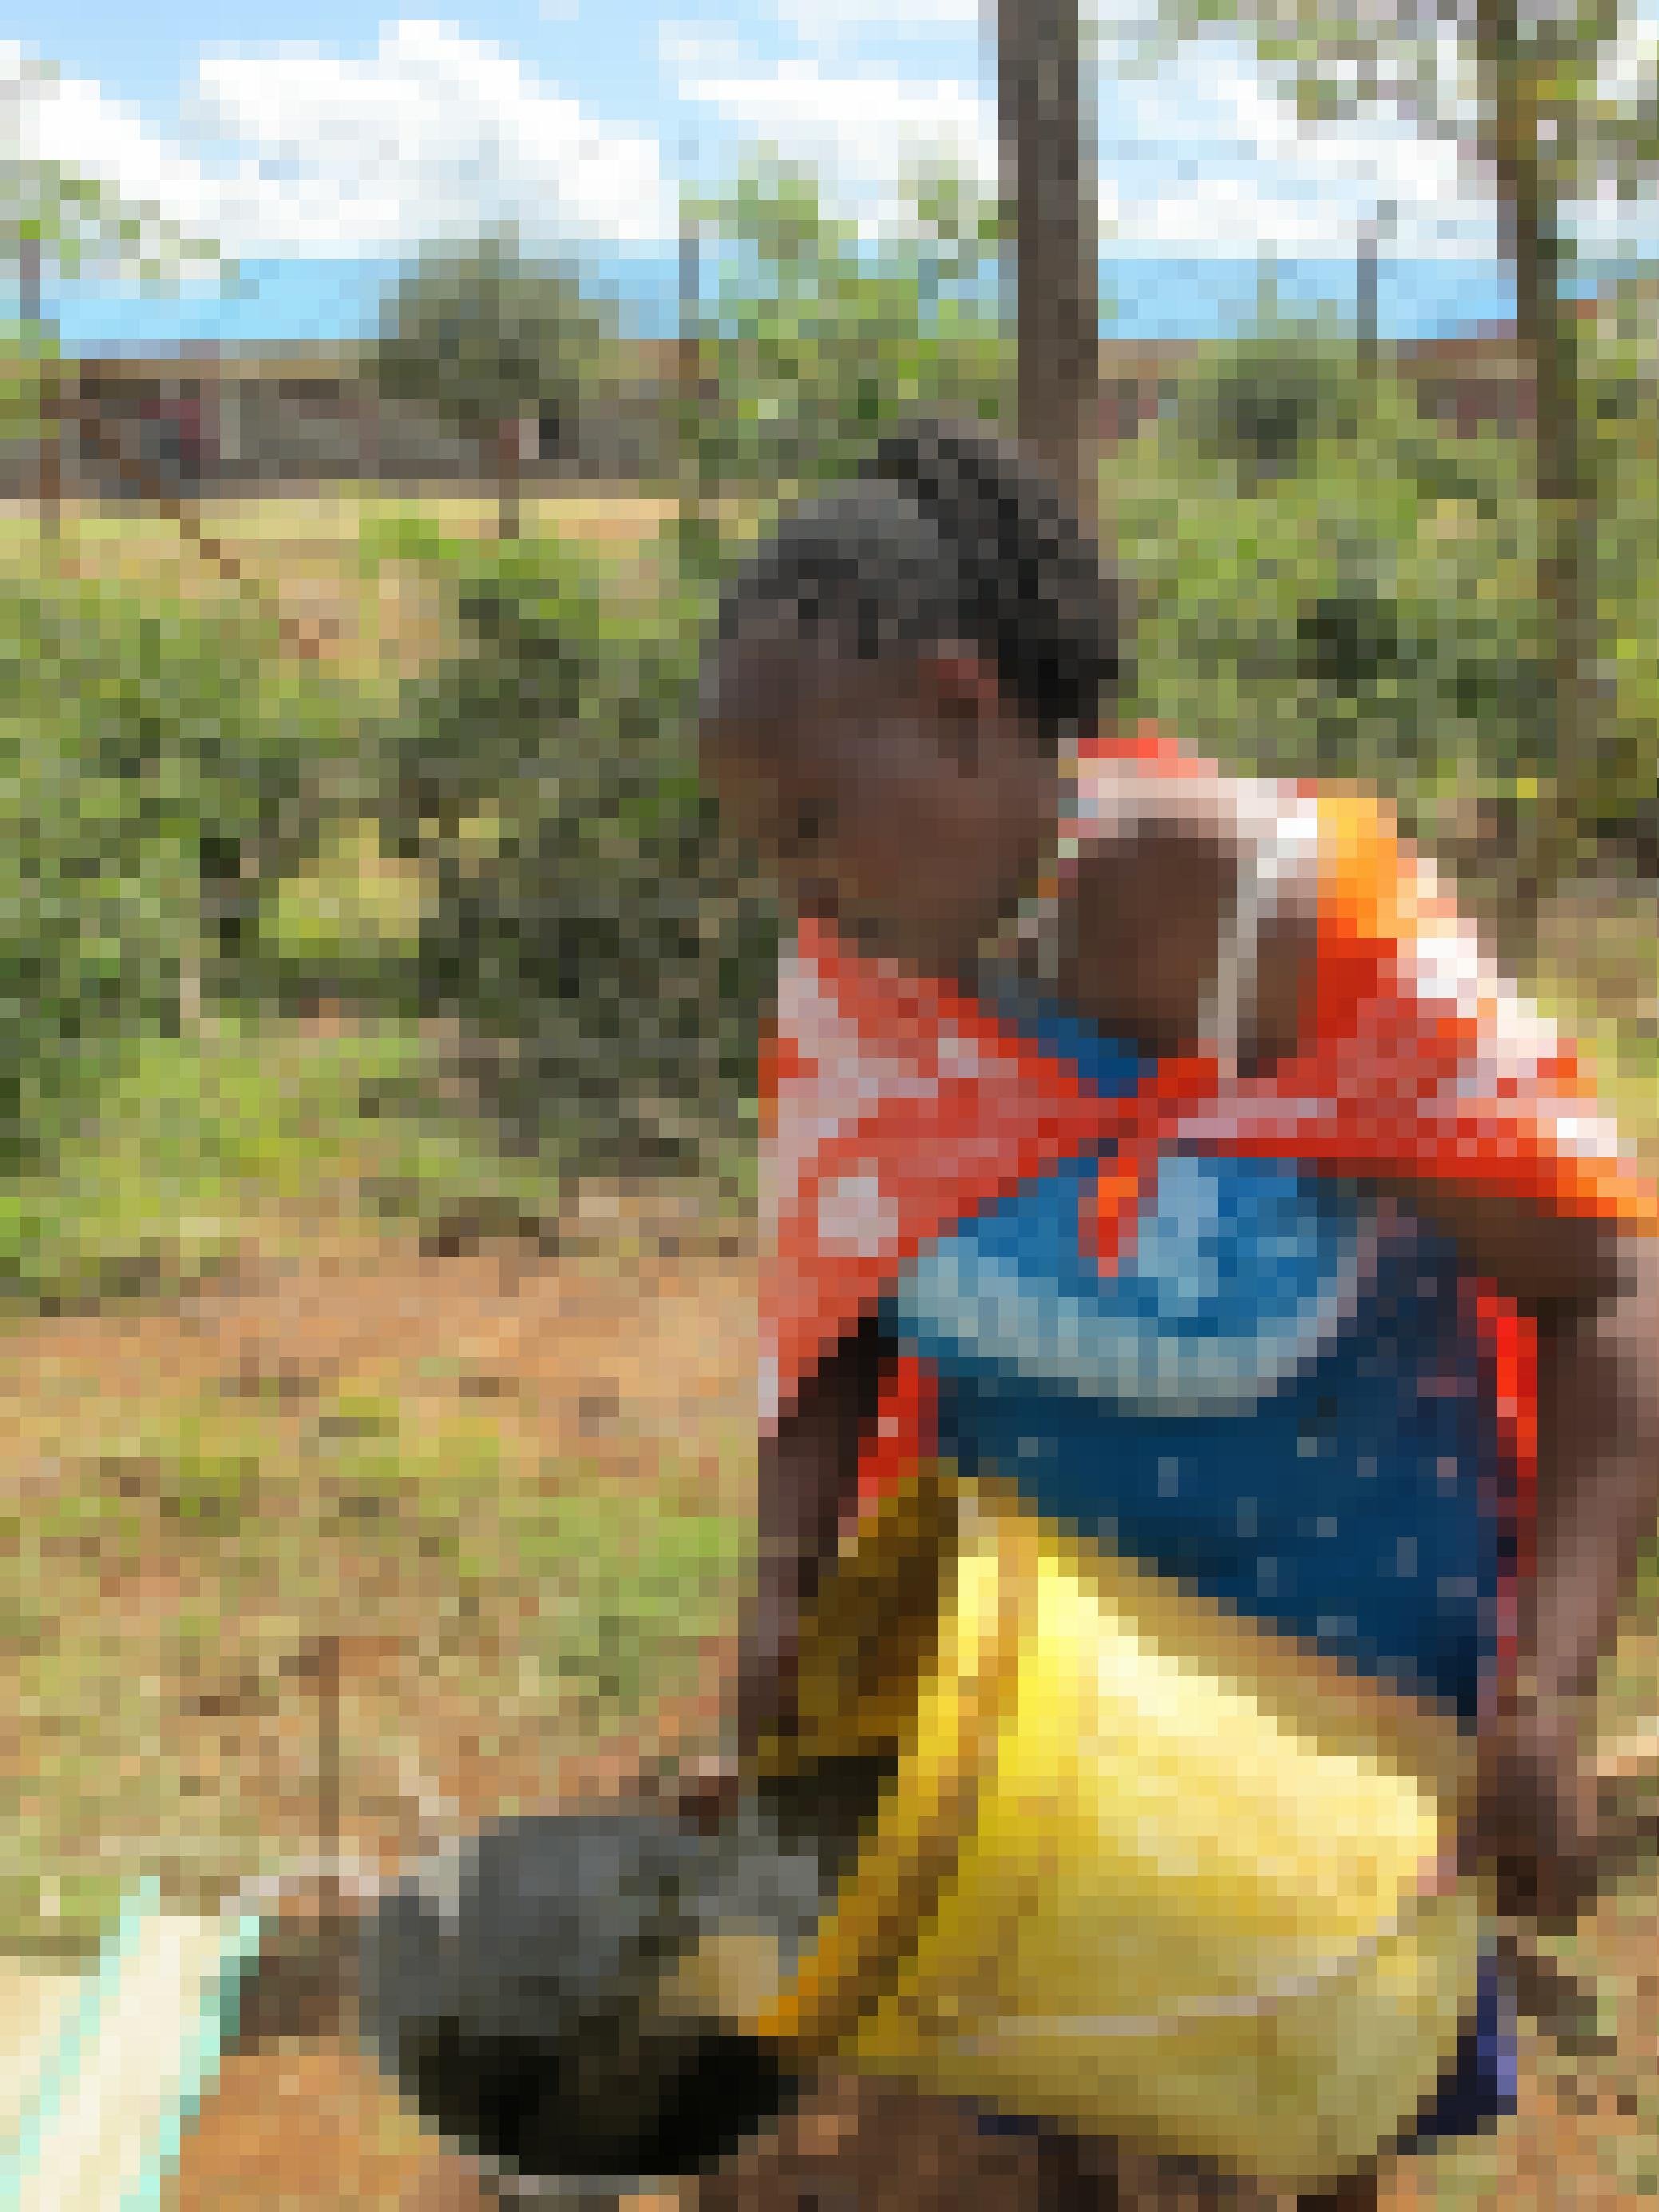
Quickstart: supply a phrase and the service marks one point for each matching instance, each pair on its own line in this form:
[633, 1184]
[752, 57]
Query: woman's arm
[808, 1475]
[1593, 1295]
[807, 1478]
[1598, 1485]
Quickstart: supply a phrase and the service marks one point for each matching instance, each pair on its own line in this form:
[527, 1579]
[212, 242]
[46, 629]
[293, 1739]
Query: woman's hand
[705, 1794]
[1534, 1825]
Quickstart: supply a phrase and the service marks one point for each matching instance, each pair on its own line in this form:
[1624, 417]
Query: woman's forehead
[783, 685]
[747, 673]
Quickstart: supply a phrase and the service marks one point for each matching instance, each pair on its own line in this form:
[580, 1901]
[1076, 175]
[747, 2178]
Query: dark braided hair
[946, 533]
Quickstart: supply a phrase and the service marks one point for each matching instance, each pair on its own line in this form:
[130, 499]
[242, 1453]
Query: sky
[321, 147]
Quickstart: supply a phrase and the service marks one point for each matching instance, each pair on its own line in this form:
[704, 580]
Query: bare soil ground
[615, 1346]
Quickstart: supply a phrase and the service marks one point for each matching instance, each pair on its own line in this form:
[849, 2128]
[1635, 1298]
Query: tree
[589, 924]
[1048, 161]
[1521, 91]
[490, 340]
[814, 339]
[26, 352]
[1263, 402]
[53, 219]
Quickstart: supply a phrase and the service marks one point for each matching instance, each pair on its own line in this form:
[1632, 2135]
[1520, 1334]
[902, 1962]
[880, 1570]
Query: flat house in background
[1465, 383]
[208, 418]
[1462, 383]
[1139, 381]
[205, 418]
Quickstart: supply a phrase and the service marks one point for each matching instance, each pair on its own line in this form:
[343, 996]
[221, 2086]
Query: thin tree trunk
[1547, 345]
[1371, 237]
[48, 454]
[28, 283]
[509, 470]
[688, 440]
[1365, 298]
[1049, 186]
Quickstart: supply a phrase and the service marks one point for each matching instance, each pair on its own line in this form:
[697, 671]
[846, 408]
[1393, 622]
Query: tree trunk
[509, 470]
[1370, 237]
[1547, 346]
[48, 454]
[1048, 189]
[688, 439]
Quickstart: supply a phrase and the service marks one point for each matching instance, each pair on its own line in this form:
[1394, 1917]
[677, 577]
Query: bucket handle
[1286, 1990]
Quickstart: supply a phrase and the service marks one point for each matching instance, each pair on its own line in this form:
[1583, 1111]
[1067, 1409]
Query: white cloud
[298, 151]
[831, 23]
[74, 122]
[1627, 62]
[861, 129]
[1202, 158]
[1237, 170]
[834, 24]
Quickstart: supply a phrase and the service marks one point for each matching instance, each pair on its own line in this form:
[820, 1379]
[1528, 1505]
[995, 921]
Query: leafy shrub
[1262, 402]
[151, 759]
[154, 763]
[814, 339]
[1331, 584]
[584, 915]
[1363, 610]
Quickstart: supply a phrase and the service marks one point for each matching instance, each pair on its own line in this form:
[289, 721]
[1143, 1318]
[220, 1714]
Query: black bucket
[511, 1987]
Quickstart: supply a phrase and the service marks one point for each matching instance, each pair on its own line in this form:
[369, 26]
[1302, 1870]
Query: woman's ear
[962, 695]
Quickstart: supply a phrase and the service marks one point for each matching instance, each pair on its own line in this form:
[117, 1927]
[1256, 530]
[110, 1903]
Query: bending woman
[1162, 1138]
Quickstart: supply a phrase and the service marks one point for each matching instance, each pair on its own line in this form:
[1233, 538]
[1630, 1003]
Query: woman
[1160, 1138]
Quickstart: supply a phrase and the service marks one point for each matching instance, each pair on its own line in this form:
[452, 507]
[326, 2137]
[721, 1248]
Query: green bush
[814, 340]
[1262, 403]
[147, 757]
[25, 350]
[1332, 584]
[1363, 607]
[584, 917]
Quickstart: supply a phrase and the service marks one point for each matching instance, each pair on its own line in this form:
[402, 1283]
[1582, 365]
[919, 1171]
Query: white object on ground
[110, 2070]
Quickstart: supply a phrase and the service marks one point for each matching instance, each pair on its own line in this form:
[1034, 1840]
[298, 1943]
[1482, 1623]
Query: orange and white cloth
[893, 1104]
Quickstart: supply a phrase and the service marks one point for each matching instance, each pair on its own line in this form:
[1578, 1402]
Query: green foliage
[1541, 101]
[349, 895]
[815, 340]
[76, 224]
[584, 914]
[149, 759]
[1620, 371]
[200, 1149]
[1336, 61]
[26, 352]
[484, 334]
[1363, 609]
[1264, 403]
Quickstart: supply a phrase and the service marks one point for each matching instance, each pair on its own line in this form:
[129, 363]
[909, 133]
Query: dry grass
[297, 558]
[515, 1487]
